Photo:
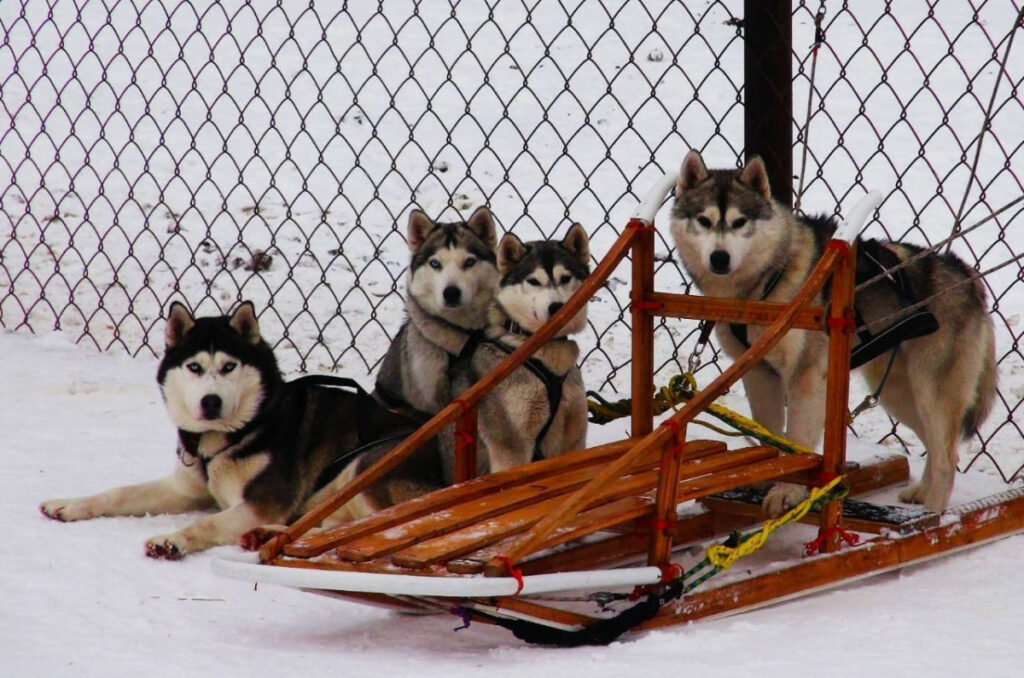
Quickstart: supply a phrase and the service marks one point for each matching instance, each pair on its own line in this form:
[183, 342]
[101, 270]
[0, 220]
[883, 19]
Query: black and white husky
[736, 241]
[251, 445]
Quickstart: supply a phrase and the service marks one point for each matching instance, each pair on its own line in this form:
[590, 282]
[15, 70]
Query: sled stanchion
[664, 522]
[642, 370]
[837, 387]
[465, 442]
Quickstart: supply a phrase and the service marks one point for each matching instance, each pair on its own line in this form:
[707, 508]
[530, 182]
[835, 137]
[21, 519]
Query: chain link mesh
[214, 152]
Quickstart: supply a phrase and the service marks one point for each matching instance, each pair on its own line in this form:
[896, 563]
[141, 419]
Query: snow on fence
[214, 152]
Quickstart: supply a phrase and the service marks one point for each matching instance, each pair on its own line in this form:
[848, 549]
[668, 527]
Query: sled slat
[317, 543]
[536, 498]
[589, 522]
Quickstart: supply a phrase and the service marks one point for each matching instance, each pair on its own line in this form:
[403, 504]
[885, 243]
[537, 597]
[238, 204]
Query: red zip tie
[646, 305]
[673, 426]
[841, 245]
[670, 572]
[658, 523]
[463, 439]
[516, 573]
[813, 546]
[640, 225]
[462, 404]
[844, 324]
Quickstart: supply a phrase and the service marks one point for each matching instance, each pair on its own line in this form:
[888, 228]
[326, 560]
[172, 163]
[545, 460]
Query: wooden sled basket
[496, 548]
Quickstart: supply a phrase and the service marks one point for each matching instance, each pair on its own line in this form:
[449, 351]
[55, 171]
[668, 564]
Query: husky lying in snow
[250, 444]
[736, 241]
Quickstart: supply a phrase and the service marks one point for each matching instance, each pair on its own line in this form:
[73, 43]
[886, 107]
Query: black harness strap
[553, 385]
[740, 331]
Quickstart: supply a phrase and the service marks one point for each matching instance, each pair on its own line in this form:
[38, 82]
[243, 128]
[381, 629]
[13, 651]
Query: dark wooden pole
[768, 90]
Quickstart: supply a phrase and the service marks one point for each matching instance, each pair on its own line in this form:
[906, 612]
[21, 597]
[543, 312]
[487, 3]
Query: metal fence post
[768, 90]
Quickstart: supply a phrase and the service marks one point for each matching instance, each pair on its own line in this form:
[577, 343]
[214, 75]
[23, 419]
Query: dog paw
[782, 497]
[64, 510]
[914, 494]
[164, 548]
[256, 538]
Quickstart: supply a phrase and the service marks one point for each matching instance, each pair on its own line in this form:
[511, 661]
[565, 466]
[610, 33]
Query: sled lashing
[597, 525]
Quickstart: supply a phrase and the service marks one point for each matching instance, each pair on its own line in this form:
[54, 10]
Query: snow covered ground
[81, 599]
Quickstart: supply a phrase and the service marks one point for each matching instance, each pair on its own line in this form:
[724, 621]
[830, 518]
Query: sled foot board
[975, 526]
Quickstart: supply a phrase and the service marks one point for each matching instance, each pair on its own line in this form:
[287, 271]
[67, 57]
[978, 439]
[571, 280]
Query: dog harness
[917, 324]
[553, 386]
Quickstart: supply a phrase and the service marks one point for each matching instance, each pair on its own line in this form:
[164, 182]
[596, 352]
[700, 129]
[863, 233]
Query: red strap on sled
[516, 573]
[813, 546]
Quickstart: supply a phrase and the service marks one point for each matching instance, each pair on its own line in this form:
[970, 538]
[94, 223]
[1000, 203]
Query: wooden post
[642, 383]
[837, 391]
[768, 90]
[663, 524]
[466, 445]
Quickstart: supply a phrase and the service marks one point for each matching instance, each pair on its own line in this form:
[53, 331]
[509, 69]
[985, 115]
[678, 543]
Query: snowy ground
[81, 599]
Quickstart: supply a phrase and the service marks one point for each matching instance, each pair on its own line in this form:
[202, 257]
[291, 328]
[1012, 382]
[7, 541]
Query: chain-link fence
[271, 151]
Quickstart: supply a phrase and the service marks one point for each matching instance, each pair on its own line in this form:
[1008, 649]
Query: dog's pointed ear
[510, 251]
[692, 172]
[755, 176]
[578, 243]
[481, 223]
[243, 321]
[420, 226]
[179, 322]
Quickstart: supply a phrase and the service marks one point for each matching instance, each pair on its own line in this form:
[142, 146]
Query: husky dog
[736, 241]
[540, 410]
[452, 279]
[250, 444]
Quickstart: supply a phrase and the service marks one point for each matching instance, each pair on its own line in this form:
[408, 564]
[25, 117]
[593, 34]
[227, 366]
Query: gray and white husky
[251, 445]
[736, 241]
[540, 410]
[451, 282]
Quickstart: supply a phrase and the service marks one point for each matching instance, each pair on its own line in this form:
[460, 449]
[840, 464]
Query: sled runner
[627, 535]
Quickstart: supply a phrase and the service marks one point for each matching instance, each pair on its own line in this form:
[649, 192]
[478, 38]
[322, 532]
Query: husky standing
[540, 410]
[452, 279]
[250, 444]
[735, 241]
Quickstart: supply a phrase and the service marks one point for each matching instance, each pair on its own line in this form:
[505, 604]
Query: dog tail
[985, 389]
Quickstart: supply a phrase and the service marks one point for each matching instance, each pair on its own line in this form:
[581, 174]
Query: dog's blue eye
[194, 368]
[740, 223]
[469, 263]
[228, 368]
[435, 264]
[533, 281]
[704, 221]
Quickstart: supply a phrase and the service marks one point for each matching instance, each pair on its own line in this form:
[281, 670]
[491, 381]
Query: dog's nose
[553, 308]
[211, 404]
[452, 295]
[720, 262]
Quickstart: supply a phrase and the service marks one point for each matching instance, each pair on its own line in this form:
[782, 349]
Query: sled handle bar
[848, 229]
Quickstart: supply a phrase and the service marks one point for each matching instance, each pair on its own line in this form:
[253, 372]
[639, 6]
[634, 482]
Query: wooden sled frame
[486, 544]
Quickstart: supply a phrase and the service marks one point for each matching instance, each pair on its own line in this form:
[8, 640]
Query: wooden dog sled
[539, 548]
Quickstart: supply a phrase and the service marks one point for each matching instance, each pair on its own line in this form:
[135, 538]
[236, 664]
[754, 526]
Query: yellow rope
[723, 557]
[681, 388]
